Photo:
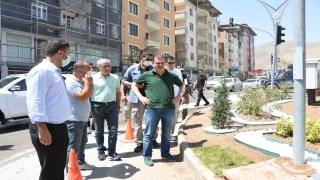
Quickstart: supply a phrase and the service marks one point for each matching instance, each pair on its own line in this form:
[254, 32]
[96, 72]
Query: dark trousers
[52, 158]
[200, 95]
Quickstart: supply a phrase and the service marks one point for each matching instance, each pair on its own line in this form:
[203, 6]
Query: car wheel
[241, 88]
[233, 89]
[2, 118]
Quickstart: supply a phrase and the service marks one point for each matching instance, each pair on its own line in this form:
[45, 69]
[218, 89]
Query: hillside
[263, 52]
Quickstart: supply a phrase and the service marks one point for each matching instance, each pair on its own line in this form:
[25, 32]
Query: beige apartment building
[148, 25]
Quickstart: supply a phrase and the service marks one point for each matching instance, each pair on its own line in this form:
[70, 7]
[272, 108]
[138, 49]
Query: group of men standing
[59, 110]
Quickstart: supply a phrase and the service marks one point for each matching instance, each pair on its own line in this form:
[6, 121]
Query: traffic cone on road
[129, 137]
[73, 167]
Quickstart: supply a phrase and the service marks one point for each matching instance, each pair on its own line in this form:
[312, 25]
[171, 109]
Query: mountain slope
[263, 53]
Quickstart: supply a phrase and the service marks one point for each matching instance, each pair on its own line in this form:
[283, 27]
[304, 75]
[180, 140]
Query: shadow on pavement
[192, 126]
[13, 128]
[197, 113]
[121, 171]
[197, 144]
[6, 147]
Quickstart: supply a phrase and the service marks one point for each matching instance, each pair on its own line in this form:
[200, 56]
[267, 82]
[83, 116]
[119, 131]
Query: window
[215, 50]
[166, 54]
[133, 29]
[39, 10]
[192, 56]
[115, 5]
[215, 38]
[191, 12]
[68, 20]
[166, 40]
[22, 84]
[115, 31]
[100, 3]
[166, 22]
[92, 54]
[133, 8]
[166, 5]
[219, 46]
[100, 26]
[214, 26]
[133, 49]
[191, 41]
[191, 26]
[16, 53]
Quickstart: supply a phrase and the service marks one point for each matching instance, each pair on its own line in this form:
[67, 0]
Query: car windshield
[264, 77]
[227, 80]
[250, 81]
[214, 78]
[6, 81]
[281, 75]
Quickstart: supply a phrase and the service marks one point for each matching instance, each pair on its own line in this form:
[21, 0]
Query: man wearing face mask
[138, 108]
[49, 109]
[79, 87]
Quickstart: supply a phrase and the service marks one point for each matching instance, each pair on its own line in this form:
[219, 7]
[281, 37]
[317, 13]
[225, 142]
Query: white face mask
[147, 63]
[90, 73]
[65, 61]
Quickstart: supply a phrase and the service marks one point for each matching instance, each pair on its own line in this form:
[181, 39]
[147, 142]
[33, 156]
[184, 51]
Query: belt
[107, 103]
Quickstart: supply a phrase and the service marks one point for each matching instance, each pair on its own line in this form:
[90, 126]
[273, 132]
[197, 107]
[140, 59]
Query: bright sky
[253, 13]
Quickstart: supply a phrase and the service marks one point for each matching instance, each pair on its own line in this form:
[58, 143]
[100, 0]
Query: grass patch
[218, 158]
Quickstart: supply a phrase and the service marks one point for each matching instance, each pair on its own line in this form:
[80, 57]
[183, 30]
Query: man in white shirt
[171, 68]
[49, 108]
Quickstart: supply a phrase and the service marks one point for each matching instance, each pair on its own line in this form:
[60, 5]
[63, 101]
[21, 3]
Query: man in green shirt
[159, 101]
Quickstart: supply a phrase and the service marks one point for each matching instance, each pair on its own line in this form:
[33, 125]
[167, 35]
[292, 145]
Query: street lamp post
[275, 15]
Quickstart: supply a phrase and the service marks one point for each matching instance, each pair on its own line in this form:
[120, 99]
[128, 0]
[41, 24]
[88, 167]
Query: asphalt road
[16, 140]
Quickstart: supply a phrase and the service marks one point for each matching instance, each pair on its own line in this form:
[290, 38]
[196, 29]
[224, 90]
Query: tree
[201, 63]
[131, 58]
[221, 108]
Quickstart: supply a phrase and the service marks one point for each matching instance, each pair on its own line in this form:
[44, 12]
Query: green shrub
[285, 91]
[284, 127]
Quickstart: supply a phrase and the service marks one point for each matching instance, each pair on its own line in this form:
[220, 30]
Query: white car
[212, 81]
[252, 83]
[234, 84]
[13, 105]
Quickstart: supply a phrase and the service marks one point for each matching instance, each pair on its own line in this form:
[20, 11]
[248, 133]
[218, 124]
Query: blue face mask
[65, 62]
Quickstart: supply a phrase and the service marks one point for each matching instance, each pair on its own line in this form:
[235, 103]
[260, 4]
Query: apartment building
[92, 27]
[148, 26]
[236, 47]
[196, 31]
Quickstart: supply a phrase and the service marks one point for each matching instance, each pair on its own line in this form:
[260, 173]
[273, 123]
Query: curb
[189, 159]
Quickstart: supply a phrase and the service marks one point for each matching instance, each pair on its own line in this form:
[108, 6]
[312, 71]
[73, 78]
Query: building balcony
[182, 30]
[152, 24]
[202, 51]
[153, 42]
[152, 6]
[202, 25]
[181, 46]
[201, 12]
[230, 40]
[182, 62]
[202, 38]
[210, 52]
[180, 15]
[208, 67]
[180, 2]
[240, 55]
[77, 6]
[230, 60]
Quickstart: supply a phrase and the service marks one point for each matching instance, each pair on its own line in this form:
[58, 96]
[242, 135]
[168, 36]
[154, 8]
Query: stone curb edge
[189, 159]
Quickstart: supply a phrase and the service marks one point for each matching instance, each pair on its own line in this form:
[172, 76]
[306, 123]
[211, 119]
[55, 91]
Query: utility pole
[299, 77]
[275, 15]
[0, 42]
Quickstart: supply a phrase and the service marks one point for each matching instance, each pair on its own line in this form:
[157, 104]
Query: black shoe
[138, 148]
[206, 104]
[155, 144]
[196, 105]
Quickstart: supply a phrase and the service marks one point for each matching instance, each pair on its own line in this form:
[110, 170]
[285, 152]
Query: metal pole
[299, 76]
[0, 41]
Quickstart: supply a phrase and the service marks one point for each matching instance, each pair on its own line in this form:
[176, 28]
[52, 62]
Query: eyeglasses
[171, 62]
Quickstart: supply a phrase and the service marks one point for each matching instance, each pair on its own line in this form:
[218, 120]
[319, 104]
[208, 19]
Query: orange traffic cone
[73, 167]
[129, 137]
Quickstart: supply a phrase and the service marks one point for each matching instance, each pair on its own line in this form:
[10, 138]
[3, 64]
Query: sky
[253, 13]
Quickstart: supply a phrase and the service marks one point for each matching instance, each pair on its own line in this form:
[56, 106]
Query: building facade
[196, 31]
[236, 48]
[92, 27]
[148, 26]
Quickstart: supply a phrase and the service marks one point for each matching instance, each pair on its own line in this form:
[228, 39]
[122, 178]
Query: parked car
[212, 81]
[13, 105]
[234, 84]
[251, 83]
[284, 76]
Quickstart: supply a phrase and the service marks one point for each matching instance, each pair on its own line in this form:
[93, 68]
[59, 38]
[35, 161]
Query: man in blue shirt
[79, 88]
[49, 108]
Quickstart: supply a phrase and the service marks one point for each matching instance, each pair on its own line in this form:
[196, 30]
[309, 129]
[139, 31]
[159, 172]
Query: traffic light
[231, 22]
[280, 34]
[271, 59]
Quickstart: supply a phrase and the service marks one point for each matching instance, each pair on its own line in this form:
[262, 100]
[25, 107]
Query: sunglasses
[171, 62]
